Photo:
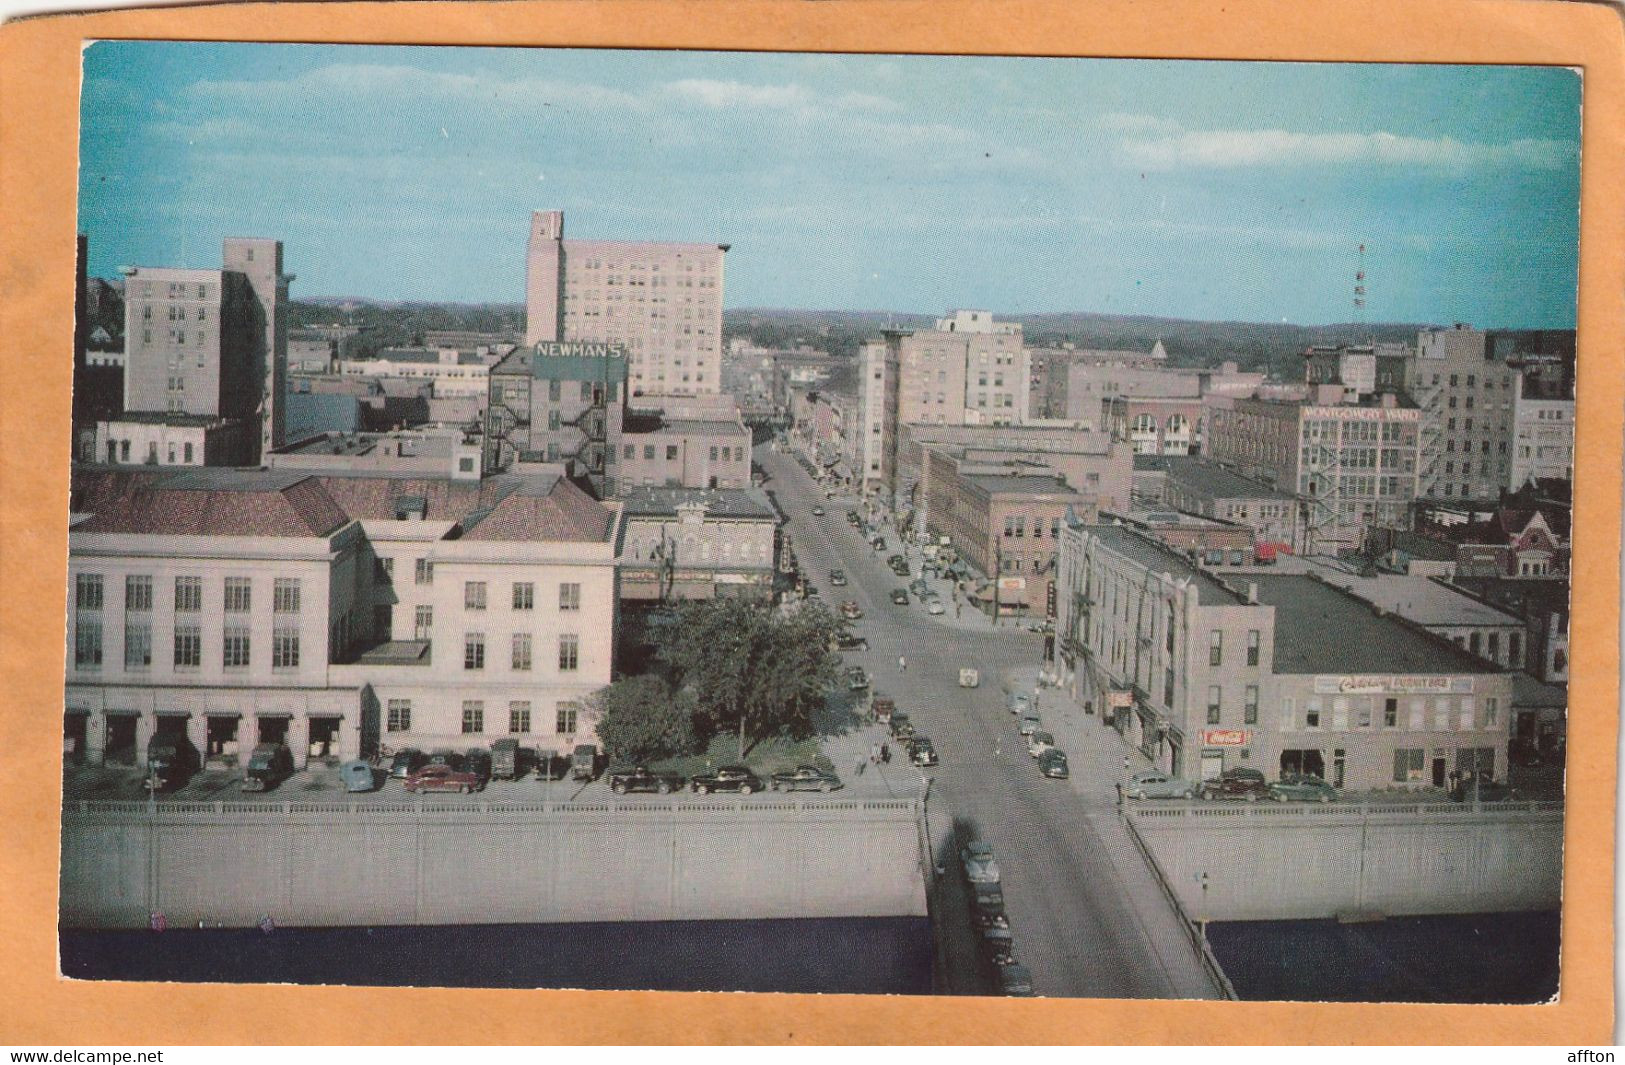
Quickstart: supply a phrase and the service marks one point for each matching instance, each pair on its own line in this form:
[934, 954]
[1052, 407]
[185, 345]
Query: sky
[1205, 190]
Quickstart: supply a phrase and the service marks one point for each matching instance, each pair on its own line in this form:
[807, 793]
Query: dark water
[881, 955]
[1484, 958]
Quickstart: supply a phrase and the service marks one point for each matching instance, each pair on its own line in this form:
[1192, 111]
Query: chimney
[1252, 593]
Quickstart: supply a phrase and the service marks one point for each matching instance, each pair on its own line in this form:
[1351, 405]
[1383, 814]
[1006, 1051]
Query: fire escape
[502, 425]
[1429, 397]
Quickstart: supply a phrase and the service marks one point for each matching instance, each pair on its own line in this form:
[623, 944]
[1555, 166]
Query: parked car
[901, 727]
[921, 751]
[851, 611]
[728, 778]
[1052, 763]
[900, 569]
[551, 766]
[893, 560]
[477, 760]
[643, 779]
[1016, 981]
[818, 512]
[837, 579]
[584, 761]
[998, 947]
[852, 643]
[446, 757]
[1018, 702]
[438, 776]
[853, 518]
[899, 597]
[1302, 787]
[881, 708]
[1039, 742]
[407, 762]
[358, 776]
[505, 758]
[268, 766]
[1155, 784]
[987, 906]
[934, 605]
[804, 778]
[171, 760]
[1031, 722]
[976, 858]
[1240, 782]
[1482, 788]
[856, 679]
[878, 543]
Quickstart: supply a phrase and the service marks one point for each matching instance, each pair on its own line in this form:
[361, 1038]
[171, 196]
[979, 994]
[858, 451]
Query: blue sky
[1191, 189]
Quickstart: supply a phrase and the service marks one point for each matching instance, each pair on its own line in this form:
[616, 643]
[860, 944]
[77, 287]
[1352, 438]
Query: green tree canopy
[641, 719]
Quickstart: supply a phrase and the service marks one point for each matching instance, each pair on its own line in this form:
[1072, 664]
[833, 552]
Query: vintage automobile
[584, 761]
[882, 707]
[818, 512]
[976, 858]
[358, 776]
[856, 679]
[852, 643]
[268, 766]
[1481, 787]
[934, 605]
[837, 579]
[437, 776]
[804, 778]
[406, 762]
[727, 778]
[901, 727]
[1016, 981]
[643, 779]
[921, 751]
[899, 596]
[171, 760]
[1155, 784]
[1038, 742]
[851, 611]
[969, 678]
[1239, 782]
[1052, 763]
[987, 906]
[998, 947]
[1030, 723]
[1301, 787]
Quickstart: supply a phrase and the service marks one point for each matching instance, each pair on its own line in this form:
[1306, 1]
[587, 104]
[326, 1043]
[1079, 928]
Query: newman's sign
[552, 349]
[1383, 685]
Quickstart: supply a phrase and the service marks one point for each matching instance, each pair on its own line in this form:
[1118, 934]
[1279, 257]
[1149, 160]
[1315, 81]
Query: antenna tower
[1359, 296]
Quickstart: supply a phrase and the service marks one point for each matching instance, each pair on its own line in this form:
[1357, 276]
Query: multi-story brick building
[1153, 425]
[878, 381]
[1466, 390]
[1282, 673]
[334, 612]
[1197, 486]
[661, 302]
[1352, 464]
[969, 370]
[685, 543]
[559, 403]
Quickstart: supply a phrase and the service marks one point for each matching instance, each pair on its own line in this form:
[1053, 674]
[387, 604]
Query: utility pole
[998, 569]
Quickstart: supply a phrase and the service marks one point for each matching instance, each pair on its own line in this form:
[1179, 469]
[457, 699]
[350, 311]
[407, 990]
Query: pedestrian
[885, 754]
[1119, 793]
[959, 608]
[902, 664]
[1125, 763]
[874, 753]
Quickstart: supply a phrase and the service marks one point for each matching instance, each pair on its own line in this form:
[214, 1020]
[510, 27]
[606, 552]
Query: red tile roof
[565, 513]
[300, 509]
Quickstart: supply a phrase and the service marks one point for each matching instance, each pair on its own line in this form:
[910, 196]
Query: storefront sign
[1374, 685]
[1012, 584]
[1119, 699]
[1364, 414]
[554, 349]
[1224, 737]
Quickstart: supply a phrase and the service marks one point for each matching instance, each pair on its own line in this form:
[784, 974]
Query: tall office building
[259, 261]
[969, 370]
[661, 302]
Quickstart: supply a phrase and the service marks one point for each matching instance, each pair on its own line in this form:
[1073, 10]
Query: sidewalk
[1095, 754]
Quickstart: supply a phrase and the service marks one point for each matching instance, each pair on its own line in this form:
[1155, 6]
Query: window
[400, 715]
[1252, 647]
[234, 652]
[1362, 713]
[474, 595]
[1492, 712]
[1514, 649]
[519, 716]
[524, 595]
[1215, 647]
[137, 644]
[565, 721]
[1390, 713]
[188, 448]
[285, 595]
[1441, 714]
[569, 597]
[521, 650]
[1168, 686]
[423, 623]
[87, 643]
[188, 646]
[88, 591]
[631, 452]
[1408, 763]
[1311, 713]
[238, 595]
[671, 452]
[285, 649]
[1250, 706]
[188, 595]
[1469, 713]
[648, 452]
[137, 594]
[425, 571]
[474, 650]
[569, 653]
[713, 454]
[473, 716]
[1213, 694]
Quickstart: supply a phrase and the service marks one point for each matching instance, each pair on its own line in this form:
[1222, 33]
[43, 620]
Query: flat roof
[1322, 629]
[1216, 480]
[653, 502]
[1423, 600]
[1019, 484]
[1158, 559]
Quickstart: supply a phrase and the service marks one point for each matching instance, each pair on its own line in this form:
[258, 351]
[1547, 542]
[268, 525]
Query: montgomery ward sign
[1364, 414]
[1224, 737]
[554, 349]
[1394, 685]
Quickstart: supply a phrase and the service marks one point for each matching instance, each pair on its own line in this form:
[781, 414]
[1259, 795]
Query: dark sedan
[804, 778]
[728, 778]
[899, 596]
[1241, 782]
[407, 762]
[1052, 763]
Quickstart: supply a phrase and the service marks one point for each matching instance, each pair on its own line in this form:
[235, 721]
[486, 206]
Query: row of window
[569, 647]
[1215, 702]
[177, 313]
[235, 648]
[239, 593]
[1363, 714]
[566, 716]
[524, 593]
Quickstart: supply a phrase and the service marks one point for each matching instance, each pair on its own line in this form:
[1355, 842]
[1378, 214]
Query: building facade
[1466, 394]
[697, 544]
[969, 370]
[661, 302]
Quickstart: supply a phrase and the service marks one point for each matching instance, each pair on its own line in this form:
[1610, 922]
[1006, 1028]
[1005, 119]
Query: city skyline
[1187, 189]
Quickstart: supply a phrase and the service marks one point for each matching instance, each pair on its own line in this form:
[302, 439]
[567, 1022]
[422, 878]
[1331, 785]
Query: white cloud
[1123, 122]
[791, 97]
[1225, 149]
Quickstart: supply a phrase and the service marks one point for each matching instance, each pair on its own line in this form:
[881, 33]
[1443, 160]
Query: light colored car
[1302, 788]
[979, 864]
[1030, 723]
[818, 512]
[934, 606]
[1039, 742]
[1018, 702]
[1155, 784]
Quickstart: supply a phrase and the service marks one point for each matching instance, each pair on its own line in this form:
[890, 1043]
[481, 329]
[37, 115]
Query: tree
[750, 669]
[641, 719]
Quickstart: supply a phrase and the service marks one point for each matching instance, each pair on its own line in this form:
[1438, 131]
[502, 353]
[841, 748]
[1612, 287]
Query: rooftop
[1423, 600]
[1212, 479]
[719, 502]
[1158, 559]
[647, 424]
[176, 419]
[212, 502]
[1321, 629]
[1018, 484]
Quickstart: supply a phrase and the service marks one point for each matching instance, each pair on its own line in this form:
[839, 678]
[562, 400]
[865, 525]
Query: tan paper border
[39, 80]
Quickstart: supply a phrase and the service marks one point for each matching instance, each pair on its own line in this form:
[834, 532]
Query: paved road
[1082, 929]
